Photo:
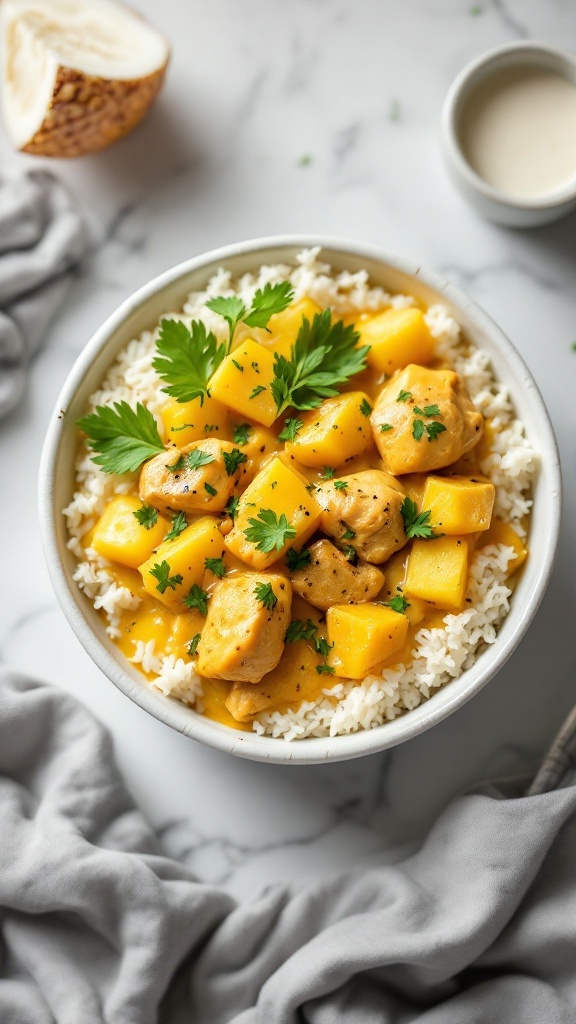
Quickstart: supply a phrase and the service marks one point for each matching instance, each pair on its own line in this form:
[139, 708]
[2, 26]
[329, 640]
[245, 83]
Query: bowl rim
[169, 711]
[457, 94]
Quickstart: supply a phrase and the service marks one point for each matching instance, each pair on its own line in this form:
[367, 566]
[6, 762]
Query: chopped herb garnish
[257, 391]
[269, 532]
[417, 429]
[178, 524]
[350, 554]
[161, 572]
[416, 525]
[398, 603]
[321, 646]
[216, 565]
[193, 645]
[298, 630]
[297, 559]
[384, 427]
[238, 365]
[192, 460]
[404, 396]
[433, 429]
[187, 358]
[324, 670]
[323, 357]
[241, 433]
[340, 485]
[348, 534]
[327, 473]
[273, 298]
[232, 506]
[197, 598]
[123, 437]
[291, 428]
[265, 593]
[211, 490]
[428, 410]
[176, 430]
[146, 516]
[365, 407]
[234, 459]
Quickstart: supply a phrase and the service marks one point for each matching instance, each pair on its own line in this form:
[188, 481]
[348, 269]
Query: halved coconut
[76, 74]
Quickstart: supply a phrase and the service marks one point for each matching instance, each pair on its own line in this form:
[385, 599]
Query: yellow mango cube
[284, 326]
[242, 382]
[185, 558]
[502, 533]
[397, 337]
[363, 635]
[459, 504]
[438, 571]
[185, 422]
[120, 537]
[277, 489]
[335, 431]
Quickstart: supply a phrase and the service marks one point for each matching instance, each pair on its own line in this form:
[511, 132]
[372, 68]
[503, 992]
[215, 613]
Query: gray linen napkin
[98, 926]
[41, 238]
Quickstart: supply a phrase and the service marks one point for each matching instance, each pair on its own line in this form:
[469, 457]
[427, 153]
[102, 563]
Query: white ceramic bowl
[142, 311]
[487, 200]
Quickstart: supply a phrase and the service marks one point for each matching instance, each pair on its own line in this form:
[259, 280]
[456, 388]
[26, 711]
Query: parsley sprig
[265, 593]
[416, 524]
[192, 460]
[323, 357]
[268, 531]
[298, 559]
[178, 524]
[187, 358]
[217, 566]
[146, 516]
[291, 428]
[161, 572]
[197, 598]
[398, 603]
[241, 433]
[233, 459]
[272, 298]
[123, 437]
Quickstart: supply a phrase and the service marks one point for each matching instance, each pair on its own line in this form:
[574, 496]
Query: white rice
[439, 655]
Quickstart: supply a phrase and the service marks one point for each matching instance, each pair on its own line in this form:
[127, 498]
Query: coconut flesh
[76, 74]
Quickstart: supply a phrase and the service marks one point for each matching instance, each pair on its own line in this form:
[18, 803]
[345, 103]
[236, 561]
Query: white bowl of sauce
[509, 134]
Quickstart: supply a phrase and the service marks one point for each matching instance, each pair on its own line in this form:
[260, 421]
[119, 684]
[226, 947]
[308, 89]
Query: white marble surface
[253, 88]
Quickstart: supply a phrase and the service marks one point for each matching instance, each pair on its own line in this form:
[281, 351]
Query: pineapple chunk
[397, 337]
[120, 537]
[185, 557]
[362, 636]
[459, 504]
[284, 326]
[238, 378]
[277, 489]
[438, 571]
[185, 422]
[335, 432]
[502, 533]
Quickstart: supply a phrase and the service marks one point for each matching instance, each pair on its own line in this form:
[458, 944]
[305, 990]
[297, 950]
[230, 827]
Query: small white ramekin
[489, 201]
[141, 312]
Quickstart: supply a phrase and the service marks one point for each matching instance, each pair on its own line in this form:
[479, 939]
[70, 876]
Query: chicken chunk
[362, 510]
[424, 420]
[199, 478]
[330, 578]
[248, 616]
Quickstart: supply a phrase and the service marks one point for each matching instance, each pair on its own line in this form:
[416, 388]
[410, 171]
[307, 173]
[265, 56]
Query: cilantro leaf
[321, 646]
[241, 433]
[192, 460]
[327, 473]
[268, 531]
[340, 485]
[323, 357]
[271, 299]
[265, 593]
[291, 428]
[417, 429]
[404, 396]
[146, 516]
[365, 407]
[193, 645]
[297, 559]
[161, 572]
[428, 410]
[187, 358]
[298, 630]
[433, 429]
[123, 437]
[416, 525]
[348, 534]
[398, 603]
[178, 524]
[233, 459]
[197, 598]
[216, 565]
[232, 309]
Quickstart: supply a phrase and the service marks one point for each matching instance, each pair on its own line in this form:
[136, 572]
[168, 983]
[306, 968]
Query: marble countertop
[313, 116]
